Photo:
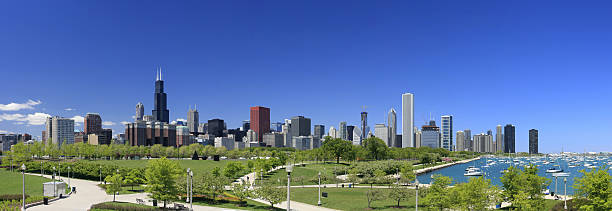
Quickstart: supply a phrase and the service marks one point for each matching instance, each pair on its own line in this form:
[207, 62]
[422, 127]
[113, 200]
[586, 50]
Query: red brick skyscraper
[260, 121]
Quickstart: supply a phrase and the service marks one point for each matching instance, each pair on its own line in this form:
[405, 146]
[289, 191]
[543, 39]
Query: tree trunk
[338, 160]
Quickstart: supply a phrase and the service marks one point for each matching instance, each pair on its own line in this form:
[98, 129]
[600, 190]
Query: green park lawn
[12, 183]
[347, 199]
[106, 206]
[251, 205]
[127, 189]
[302, 175]
[195, 165]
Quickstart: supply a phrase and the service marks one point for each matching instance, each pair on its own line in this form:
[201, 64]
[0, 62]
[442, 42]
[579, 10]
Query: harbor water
[493, 171]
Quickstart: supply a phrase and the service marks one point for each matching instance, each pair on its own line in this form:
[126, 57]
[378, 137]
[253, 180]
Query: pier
[428, 169]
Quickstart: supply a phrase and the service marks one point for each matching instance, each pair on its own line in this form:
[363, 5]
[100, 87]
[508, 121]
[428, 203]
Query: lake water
[493, 172]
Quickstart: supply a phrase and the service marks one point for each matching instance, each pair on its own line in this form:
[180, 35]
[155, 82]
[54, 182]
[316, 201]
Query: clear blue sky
[535, 64]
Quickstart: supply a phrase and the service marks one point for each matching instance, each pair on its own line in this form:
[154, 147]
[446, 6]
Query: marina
[493, 168]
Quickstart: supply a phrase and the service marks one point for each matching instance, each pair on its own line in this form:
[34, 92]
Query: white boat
[553, 170]
[472, 173]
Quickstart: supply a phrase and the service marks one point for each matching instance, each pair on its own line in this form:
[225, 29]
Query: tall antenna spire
[160, 73]
[156, 74]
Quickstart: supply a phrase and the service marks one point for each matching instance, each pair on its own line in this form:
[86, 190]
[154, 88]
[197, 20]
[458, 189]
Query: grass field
[251, 205]
[105, 206]
[303, 174]
[196, 166]
[347, 199]
[12, 183]
[127, 189]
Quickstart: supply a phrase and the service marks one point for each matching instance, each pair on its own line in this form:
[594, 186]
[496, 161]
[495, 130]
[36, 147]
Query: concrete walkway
[250, 178]
[88, 193]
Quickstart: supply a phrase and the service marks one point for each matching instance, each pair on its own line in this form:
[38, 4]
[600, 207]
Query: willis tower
[160, 111]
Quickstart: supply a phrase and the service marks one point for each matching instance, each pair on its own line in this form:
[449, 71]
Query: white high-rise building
[332, 132]
[62, 130]
[251, 136]
[407, 120]
[392, 124]
[356, 136]
[381, 131]
[446, 131]
[460, 141]
[139, 111]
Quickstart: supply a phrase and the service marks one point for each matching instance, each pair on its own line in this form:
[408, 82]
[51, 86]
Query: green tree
[232, 169]
[271, 194]
[477, 194]
[213, 184]
[114, 184]
[596, 187]
[377, 149]
[134, 177]
[161, 175]
[524, 188]
[336, 147]
[407, 173]
[437, 195]
[399, 193]
[241, 191]
[373, 195]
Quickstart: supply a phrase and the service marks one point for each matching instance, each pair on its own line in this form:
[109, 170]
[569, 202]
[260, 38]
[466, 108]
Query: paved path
[283, 205]
[88, 193]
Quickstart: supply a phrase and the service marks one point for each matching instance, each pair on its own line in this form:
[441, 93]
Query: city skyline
[532, 70]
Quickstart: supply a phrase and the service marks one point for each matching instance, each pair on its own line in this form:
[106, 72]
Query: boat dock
[428, 169]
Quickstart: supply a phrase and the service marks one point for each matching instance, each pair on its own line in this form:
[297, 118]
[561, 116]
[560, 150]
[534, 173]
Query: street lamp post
[69, 177]
[23, 168]
[191, 190]
[54, 183]
[417, 194]
[565, 193]
[59, 170]
[187, 185]
[100, 167]
[319, 203]
[289, 169]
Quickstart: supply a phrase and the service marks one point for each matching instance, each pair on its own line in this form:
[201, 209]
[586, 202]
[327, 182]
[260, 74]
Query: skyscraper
[447, 132]
[193, 120]
[216, 127]
[139, 111]
[381, 131]
[349, 132]
[160, 113]
[62, 130]
[430, 135]
[319, 131]
[509, 138]
[460, 141]
[364, 125]
[260, 121]
[300, 126]
[408, 120]
[93, 123]
[392, 123]
[343, 132]
[468, 140]
[332, 132]
[499, 139]
[533, 141]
